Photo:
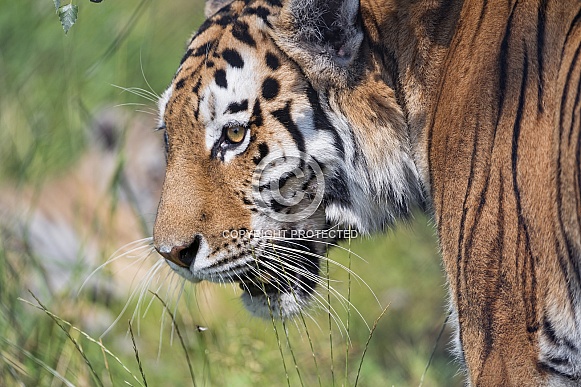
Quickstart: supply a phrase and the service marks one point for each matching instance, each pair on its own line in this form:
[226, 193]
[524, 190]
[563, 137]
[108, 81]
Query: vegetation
[67, 203]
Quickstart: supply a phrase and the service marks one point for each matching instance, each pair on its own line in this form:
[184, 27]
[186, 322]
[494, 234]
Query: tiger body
[470, 109]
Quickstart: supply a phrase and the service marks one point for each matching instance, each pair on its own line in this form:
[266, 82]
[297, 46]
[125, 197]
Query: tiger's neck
[411, 39]
[384, 106]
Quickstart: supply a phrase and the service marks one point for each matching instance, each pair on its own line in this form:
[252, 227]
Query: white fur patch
[243, 85]
[162, 104]
[278, 305]
[377, 190]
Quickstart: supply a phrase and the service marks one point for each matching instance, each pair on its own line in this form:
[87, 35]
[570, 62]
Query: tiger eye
[235, 134]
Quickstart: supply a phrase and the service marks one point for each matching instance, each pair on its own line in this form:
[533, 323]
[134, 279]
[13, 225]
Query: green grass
[54, 86]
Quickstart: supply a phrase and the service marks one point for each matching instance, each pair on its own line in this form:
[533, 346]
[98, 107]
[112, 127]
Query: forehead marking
[233, 58]
[262, 153]
[261, 12]
[220, 78]
[236, 107]
[240, 32]
[234, 88]
[284, 117]
[270, 88]
[256, 118]
[272, 61]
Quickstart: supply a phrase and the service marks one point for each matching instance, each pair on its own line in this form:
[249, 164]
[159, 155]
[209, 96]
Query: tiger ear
[323, 36]
[213, 6]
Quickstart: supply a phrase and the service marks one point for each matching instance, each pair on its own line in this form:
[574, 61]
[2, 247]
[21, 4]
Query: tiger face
[261, 174]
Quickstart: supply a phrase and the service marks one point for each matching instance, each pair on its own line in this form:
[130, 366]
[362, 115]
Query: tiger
[469, 110]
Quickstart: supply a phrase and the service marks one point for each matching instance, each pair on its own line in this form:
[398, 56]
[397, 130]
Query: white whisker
[114, 257]
[151, 91]
[337, 264]
[131, 296]
[316, 296]
[329, 244]
[145, 94]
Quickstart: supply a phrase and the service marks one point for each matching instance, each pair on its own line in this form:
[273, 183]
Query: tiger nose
[182, 255]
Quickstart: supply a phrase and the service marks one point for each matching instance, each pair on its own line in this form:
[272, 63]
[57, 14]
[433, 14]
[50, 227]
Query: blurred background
[81, 167]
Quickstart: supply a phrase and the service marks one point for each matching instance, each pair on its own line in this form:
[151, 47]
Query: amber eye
[235, 134]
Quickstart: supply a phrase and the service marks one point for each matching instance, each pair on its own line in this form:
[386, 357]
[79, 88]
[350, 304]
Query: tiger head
[278, 132]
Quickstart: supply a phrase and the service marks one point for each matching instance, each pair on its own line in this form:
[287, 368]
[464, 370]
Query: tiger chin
[292, 116]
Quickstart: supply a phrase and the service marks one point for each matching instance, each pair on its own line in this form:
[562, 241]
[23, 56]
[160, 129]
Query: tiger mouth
[276, 276]
[266, 284]
[276, 295]
[255, 287]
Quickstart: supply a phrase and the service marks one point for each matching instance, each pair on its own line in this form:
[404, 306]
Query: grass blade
[367, 344]
[137, 354]
[182, 342]
[347, 343]
[434, 350]
[330, 320]
[29, 355]
[105, 349]
[72, 339]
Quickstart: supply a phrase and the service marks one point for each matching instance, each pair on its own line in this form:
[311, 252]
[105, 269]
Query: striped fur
[469, 109]
[505, 188]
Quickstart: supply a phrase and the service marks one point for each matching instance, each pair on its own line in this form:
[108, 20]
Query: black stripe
[496, 253]
[516, 129]
[574, 258]
[465, 207]
[551, 334]
[548, 368]
[284, 178]
[336, 190]
[572, 253]
[220, 78]
[224, 21]
[529, 300]
[236, 107]
[322, 121]
[573, 25]
[261, 12]
[240, 32]
[284, 117]
[563, 261]
[467, 247]
[570, 74]
[196, 87]
[180, 84]
[272, 61]
[233, 58]
[256, 118]
[205, 48]
[207, 24]
[262, 153]
[504, 61]
[541, 29]
[270, 88]
[574, 115]
[186, 55]
[481, 18]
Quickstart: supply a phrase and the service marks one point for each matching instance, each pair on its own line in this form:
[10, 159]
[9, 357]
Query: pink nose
[183, 255]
